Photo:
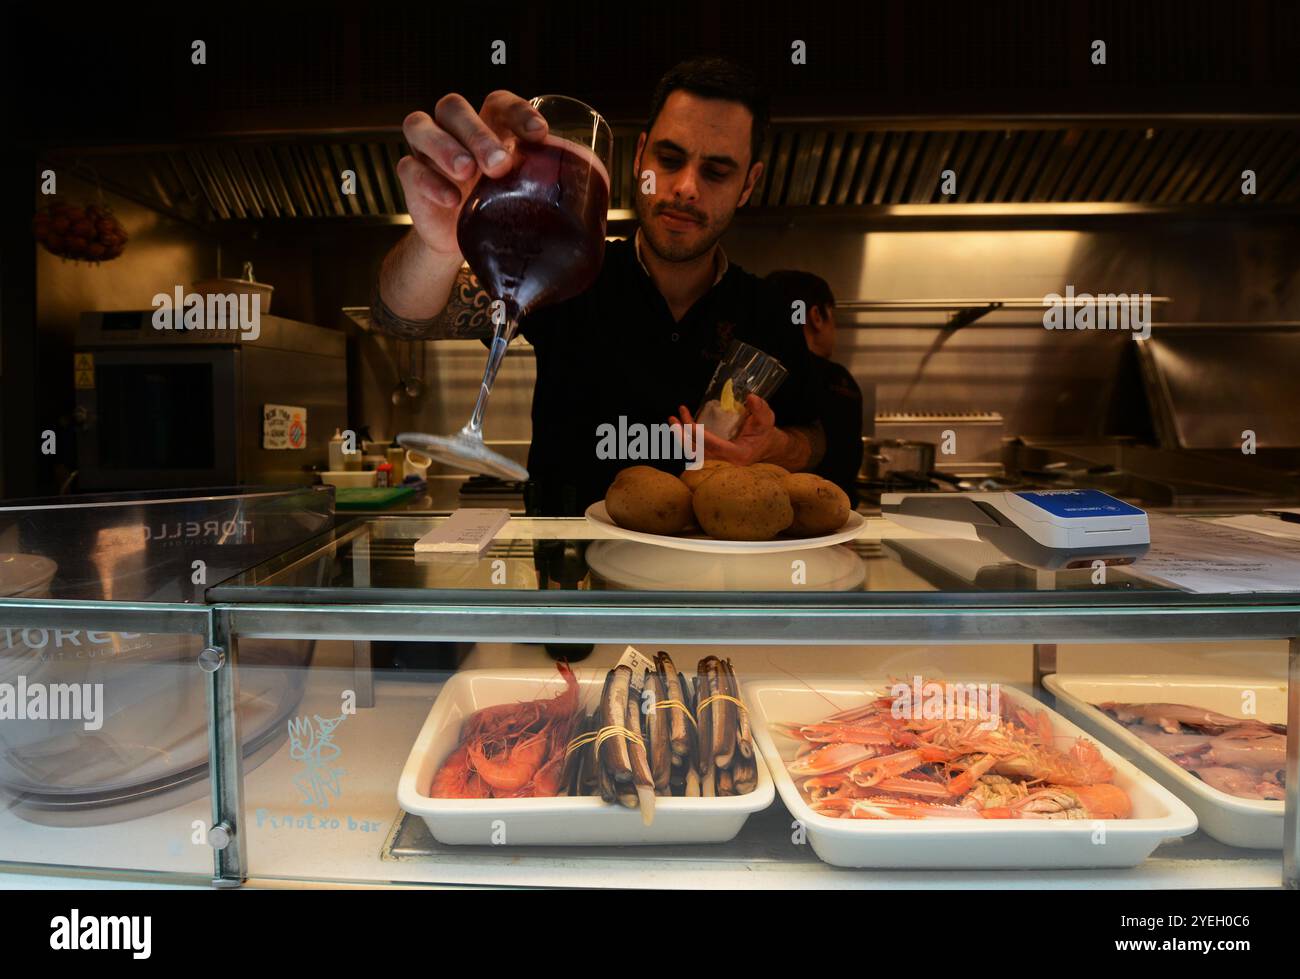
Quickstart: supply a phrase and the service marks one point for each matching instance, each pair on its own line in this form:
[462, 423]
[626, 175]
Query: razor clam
[657, 743]
[744, 741]
[605, 784]
[642, 777]
[613, 713]
[669, 678]
[723, 716]
[703, 725]
[576, 763]
[744, 773]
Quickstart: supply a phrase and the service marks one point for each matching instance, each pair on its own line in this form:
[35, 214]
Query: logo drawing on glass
[314, 746]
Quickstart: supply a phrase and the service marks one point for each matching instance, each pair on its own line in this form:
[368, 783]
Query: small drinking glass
[745, 370]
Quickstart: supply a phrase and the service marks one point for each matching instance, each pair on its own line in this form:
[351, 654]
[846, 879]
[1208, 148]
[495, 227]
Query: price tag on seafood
[638, 664]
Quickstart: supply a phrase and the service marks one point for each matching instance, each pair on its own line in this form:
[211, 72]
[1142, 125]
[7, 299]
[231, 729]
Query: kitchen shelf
[962, 312]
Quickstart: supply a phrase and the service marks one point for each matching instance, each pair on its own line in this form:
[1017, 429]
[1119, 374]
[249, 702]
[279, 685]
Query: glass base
[463, 451]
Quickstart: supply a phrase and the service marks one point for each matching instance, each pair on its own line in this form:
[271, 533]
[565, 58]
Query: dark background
[120, 72]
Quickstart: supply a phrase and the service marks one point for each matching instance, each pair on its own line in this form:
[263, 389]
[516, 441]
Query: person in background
[839, 397]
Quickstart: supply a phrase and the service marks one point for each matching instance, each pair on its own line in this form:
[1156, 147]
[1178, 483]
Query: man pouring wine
[641, 342]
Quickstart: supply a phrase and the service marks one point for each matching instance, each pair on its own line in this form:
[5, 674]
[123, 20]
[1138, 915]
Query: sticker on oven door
[284, 427]
[83, 371]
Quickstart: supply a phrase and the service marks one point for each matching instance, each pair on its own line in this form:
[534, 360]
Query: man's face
[699, 151]
[819, 331]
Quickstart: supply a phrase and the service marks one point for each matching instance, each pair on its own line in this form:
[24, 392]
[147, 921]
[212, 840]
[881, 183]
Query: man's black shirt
[616, 351]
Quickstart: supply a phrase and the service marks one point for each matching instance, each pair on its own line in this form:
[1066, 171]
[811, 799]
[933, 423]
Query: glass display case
[345, 675]
[106, 716]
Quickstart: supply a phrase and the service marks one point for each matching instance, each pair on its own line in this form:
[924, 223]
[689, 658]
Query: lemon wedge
[728, 399]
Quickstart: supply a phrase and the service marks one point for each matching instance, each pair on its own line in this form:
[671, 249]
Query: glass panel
[143, 547]
[104, 744]
[103, 750]
[374, 560]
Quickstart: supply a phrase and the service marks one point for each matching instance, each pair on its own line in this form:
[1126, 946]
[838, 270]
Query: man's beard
[666, 246]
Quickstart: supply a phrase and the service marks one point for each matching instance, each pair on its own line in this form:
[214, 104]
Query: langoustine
[873, 762]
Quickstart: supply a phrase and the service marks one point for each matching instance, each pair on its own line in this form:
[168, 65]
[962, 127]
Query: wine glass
[532, 237]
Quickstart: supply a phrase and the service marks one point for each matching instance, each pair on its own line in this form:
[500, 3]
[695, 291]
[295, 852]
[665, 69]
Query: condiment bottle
[397, 459]
[336, 451]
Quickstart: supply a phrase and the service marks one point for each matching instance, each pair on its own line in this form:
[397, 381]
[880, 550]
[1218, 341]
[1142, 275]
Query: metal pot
[884, 456]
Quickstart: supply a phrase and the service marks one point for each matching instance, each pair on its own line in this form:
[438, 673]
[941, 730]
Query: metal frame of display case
[223, 624]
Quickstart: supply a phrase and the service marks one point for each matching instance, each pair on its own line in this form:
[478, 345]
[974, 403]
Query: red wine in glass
[532, 237]
[537, 235]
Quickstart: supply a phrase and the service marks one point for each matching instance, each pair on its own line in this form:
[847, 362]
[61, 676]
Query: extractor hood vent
[816, 167]
[840, 164]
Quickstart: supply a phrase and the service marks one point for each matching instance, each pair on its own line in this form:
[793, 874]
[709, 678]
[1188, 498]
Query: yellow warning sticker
[83, 362]
[85, 380]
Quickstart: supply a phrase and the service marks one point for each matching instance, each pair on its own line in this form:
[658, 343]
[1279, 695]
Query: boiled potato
[820, 507]
[646, 499]
[739, 504]
[693, 477]
[769, 469]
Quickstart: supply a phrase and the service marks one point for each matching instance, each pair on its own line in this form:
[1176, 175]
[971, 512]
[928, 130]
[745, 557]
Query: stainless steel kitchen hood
[850, 166]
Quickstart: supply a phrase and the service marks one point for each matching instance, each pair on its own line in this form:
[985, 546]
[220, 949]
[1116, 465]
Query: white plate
[597, 514]
[1002, 844]
[632, 564]
[1252, 823]
[562, 821]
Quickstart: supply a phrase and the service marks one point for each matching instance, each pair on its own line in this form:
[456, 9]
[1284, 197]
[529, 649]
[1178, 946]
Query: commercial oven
[173, 408]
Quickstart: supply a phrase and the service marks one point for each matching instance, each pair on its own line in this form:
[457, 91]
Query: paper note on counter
[1209, 558]
[1260, 524]
[466, 531]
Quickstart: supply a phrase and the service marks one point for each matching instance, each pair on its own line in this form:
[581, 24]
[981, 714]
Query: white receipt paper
[466, 531]
[1272, 526]
[1209, 558]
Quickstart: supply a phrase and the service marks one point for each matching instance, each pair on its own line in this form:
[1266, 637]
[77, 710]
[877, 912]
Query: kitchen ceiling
[847, 165]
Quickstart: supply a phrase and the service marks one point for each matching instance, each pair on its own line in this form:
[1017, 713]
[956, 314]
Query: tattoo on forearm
[467, 315]
[386, 321]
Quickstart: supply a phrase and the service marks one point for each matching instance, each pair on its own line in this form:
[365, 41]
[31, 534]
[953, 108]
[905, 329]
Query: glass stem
[501, 338]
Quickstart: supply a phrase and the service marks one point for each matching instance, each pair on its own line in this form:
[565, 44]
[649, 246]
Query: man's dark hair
[716, 78]
[787, 285]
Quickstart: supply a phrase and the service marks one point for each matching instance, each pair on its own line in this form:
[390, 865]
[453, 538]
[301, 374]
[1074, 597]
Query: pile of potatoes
[728, 502]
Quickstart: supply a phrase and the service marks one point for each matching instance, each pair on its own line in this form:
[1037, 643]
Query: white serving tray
[1252, 823]
[564, 821]
[959, 844]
